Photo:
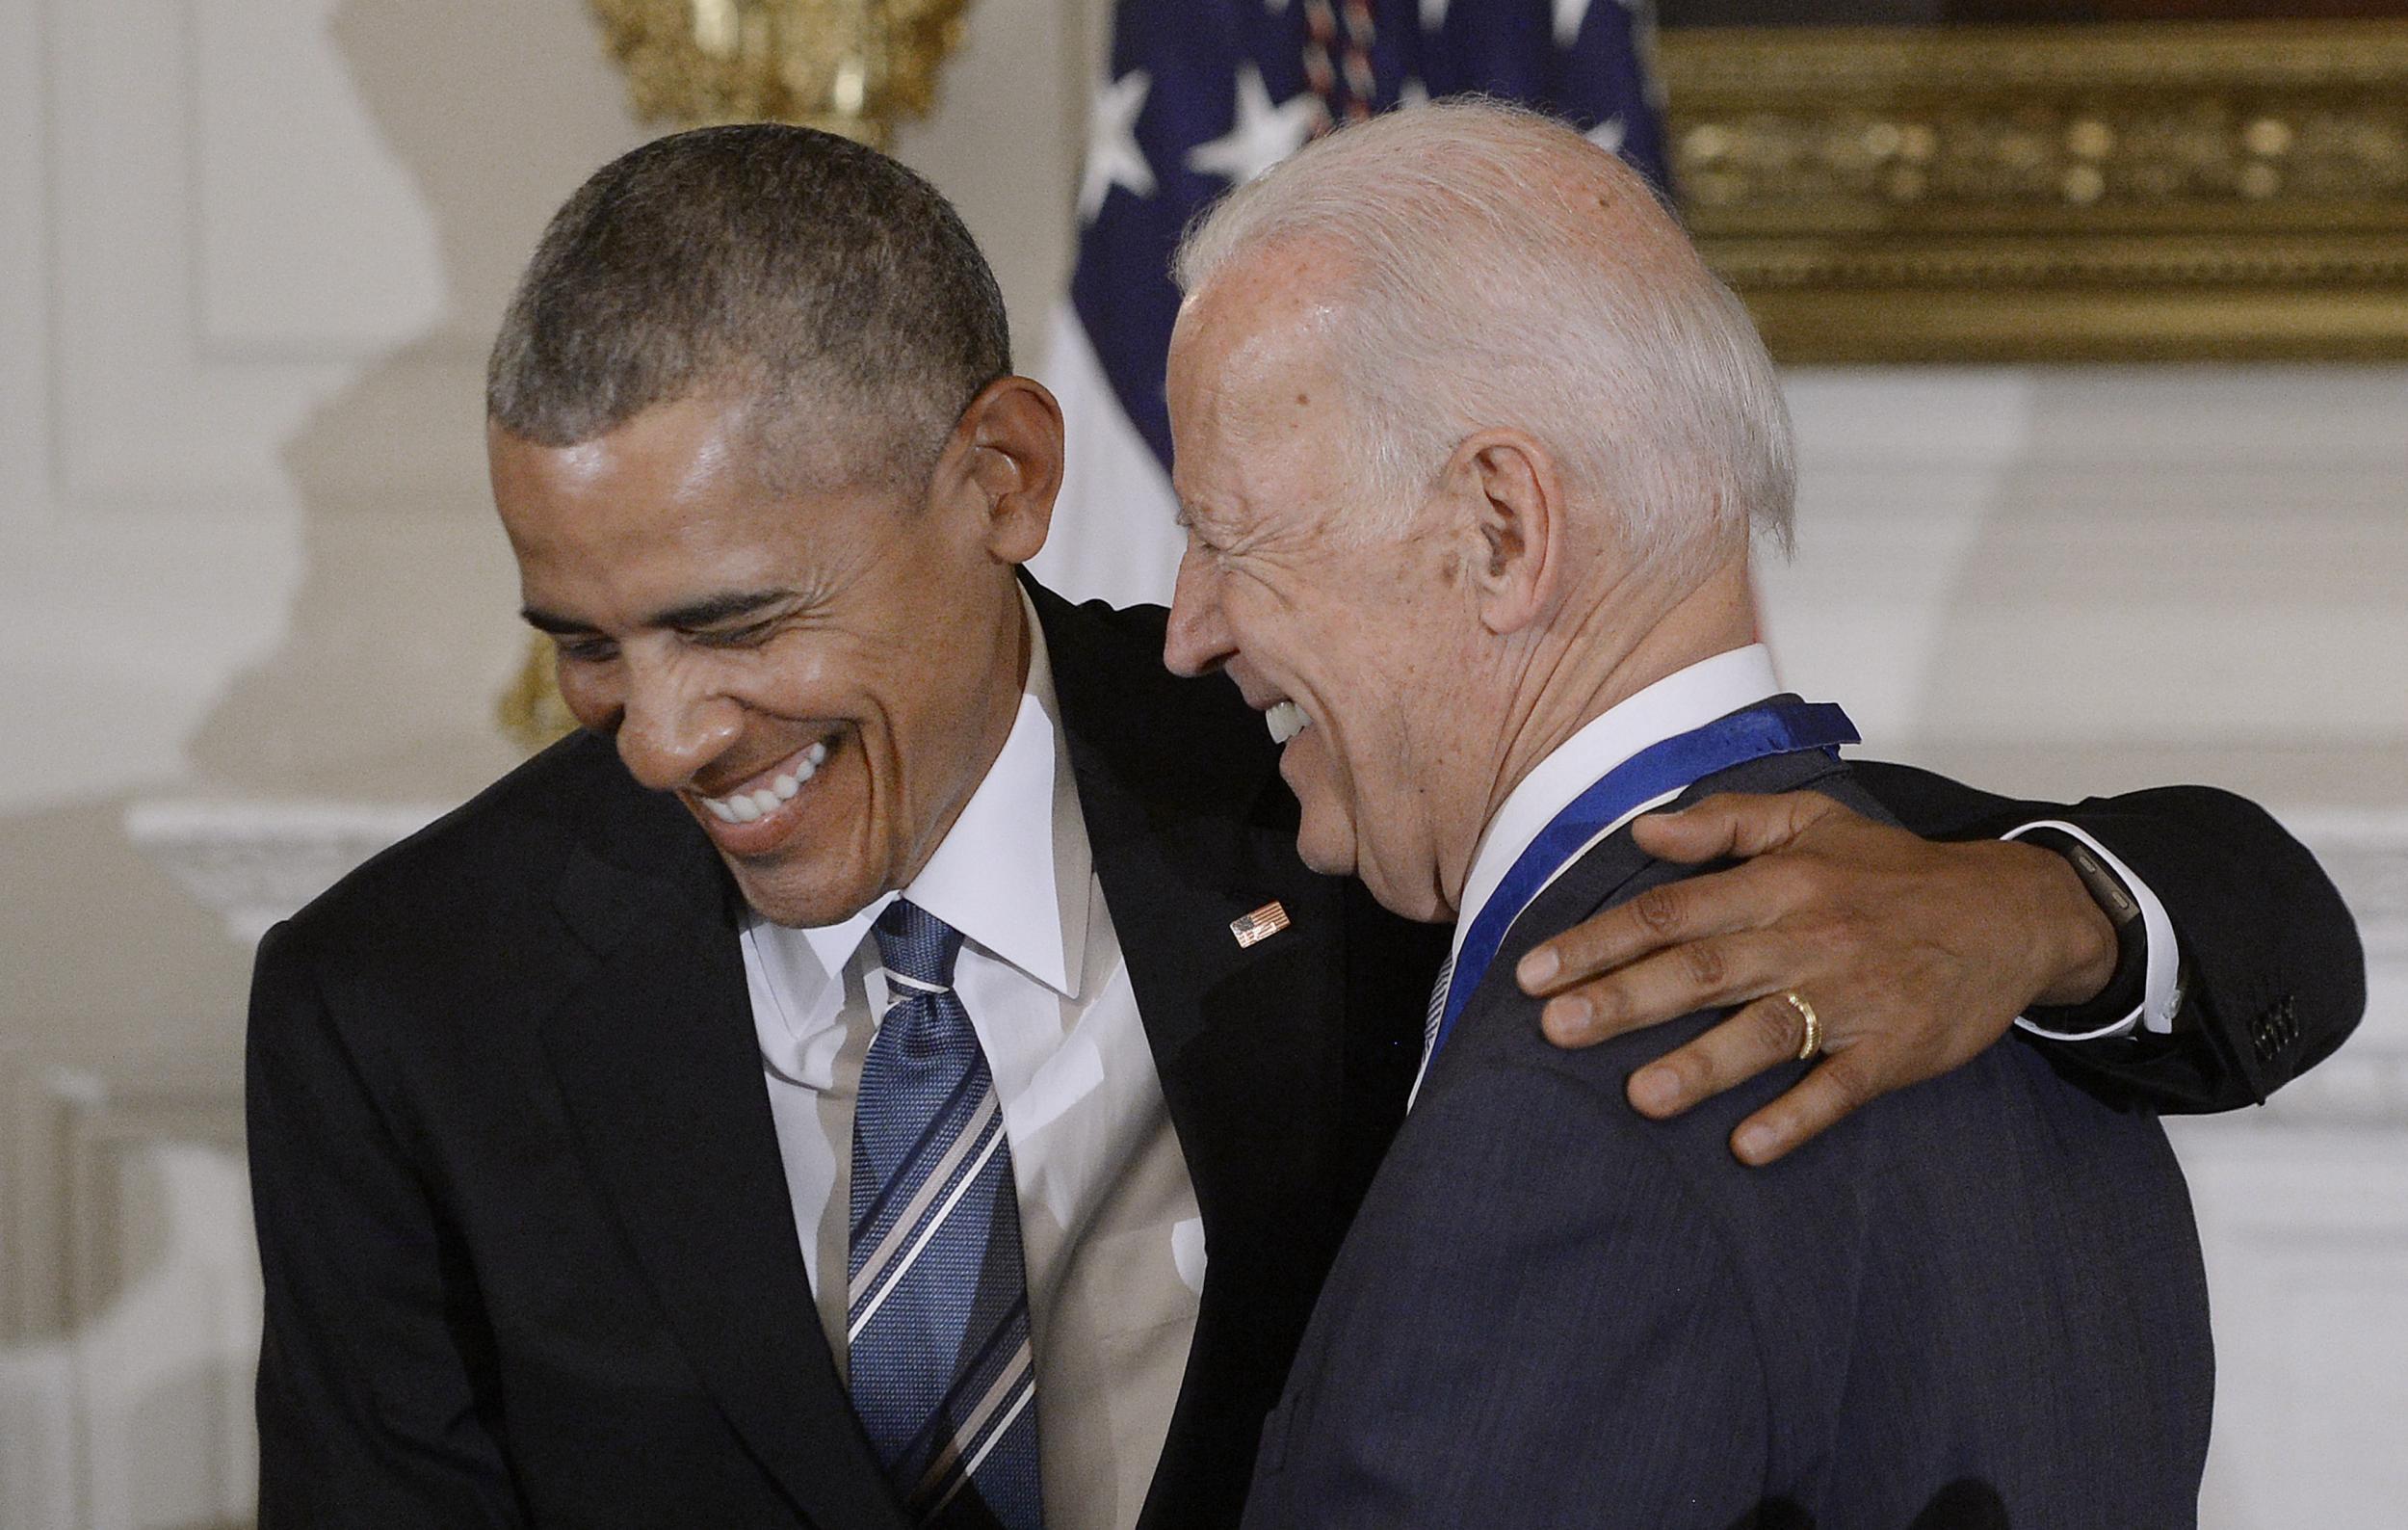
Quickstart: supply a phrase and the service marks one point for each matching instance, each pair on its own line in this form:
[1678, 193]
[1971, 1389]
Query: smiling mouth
[1285, 720]
[768, 793]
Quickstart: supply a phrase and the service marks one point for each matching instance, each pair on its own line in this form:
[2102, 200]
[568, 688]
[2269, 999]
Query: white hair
[1501, 271]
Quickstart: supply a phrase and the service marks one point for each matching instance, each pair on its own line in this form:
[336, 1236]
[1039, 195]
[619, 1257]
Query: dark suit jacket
[1977, 1303]
[527, 1243]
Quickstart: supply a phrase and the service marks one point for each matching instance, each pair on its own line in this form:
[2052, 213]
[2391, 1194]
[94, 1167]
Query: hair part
[1501, 269]
[832, 291]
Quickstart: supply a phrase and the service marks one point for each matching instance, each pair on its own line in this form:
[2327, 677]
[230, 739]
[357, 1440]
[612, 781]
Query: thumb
[1730, 824]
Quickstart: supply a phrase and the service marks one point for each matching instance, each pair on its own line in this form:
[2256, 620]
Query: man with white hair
[1471, 448]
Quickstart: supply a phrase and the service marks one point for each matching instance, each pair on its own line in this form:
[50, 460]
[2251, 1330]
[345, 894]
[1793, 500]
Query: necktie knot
[915, 944]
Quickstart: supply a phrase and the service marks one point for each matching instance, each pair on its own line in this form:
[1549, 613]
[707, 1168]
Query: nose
[1196, 640]
[673, 724]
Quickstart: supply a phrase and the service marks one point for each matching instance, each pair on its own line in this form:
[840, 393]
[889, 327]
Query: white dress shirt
[1691, 698]
[1110, 1235]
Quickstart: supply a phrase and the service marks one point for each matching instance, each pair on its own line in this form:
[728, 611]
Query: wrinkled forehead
[1258, 423]
[678, 495]
[1253, 364]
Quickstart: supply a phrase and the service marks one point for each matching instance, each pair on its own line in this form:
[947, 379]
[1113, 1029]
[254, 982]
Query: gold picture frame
[2168, 190]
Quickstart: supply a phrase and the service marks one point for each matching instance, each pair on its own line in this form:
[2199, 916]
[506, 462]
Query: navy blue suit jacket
[1977, 1303]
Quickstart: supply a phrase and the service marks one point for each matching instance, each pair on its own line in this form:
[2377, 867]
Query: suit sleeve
[1574, 1345]
[370, 1411]
[2277, 978]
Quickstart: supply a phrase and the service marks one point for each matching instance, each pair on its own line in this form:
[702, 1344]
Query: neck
[1011, 646]
[1590, 659]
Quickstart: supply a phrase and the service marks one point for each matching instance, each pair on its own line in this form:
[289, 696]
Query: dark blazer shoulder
[1994, 1216]
[491, 835]
[1189, 744]
[490, 900]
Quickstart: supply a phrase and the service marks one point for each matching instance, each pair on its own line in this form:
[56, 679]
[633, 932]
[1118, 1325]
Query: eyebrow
[708, 612]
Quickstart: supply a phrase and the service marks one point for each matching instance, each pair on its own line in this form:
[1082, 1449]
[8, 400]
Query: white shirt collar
[999, 873]
[1682, 701]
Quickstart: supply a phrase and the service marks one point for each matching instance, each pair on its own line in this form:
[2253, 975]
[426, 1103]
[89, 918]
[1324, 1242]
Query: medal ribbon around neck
[1785, 726]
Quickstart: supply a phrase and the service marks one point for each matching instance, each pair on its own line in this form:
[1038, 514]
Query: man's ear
[1517, 533]
[1005, 464]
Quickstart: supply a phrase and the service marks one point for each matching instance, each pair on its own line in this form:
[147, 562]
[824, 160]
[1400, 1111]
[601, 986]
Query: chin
[1412, 901]
[1327, 864]
[1329, 852]
[801, 897]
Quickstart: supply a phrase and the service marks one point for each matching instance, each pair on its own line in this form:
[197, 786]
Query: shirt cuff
[2160, 995]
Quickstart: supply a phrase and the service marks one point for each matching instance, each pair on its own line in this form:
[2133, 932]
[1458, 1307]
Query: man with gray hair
[1470, 447]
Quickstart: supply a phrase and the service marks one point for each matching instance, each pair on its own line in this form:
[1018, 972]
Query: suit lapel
[1215, 1013]
[656, 1058]
[1191, 830]
[1185, 815]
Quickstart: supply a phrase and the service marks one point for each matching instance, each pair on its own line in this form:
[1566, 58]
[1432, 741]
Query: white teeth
[747, 808]
[1285, 720]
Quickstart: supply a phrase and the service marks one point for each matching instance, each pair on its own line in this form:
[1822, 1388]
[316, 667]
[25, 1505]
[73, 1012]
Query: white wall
[249, 262]
[2058, 582]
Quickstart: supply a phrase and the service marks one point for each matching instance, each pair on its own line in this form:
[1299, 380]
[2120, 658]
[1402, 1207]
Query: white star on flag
[1412, 92]
[1262, 136]
[1433, 14]
[1112, 156]
[1607, 134]
[1569, 14]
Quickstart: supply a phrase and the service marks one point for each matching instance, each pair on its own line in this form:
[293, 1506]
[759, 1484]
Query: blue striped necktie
[942, 1374]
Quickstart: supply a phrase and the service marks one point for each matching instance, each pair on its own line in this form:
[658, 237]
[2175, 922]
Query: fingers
[1706, 973]
[1758, 1036]
[1763, 1035]
[1818, 1102]
[1744, 897]
[1732, 824]
[1741, 897]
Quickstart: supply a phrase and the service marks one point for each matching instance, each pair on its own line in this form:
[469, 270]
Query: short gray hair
[1484, 288]
[790, 269]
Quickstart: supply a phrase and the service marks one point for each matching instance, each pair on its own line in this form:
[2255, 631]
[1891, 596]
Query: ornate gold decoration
[2161, 190]
[531, 712]
[851, 66]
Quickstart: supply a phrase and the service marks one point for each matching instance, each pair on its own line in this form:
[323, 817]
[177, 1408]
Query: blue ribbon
[1784, 726]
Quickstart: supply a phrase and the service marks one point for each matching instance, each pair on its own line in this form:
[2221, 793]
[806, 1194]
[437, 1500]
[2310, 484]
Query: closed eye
[585, 650]
[751, 635]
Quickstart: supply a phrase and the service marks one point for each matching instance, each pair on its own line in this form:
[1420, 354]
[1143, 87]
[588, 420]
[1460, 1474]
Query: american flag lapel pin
[1260, 925]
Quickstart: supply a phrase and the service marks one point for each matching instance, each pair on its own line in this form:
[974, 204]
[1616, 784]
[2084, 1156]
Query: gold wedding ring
[1813, 1040]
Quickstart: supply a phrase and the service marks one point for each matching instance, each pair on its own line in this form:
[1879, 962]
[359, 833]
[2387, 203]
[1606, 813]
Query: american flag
[1261, 925]
[1205, 94]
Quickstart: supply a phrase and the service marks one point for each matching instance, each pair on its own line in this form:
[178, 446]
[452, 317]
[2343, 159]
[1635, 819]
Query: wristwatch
[2126, 987]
